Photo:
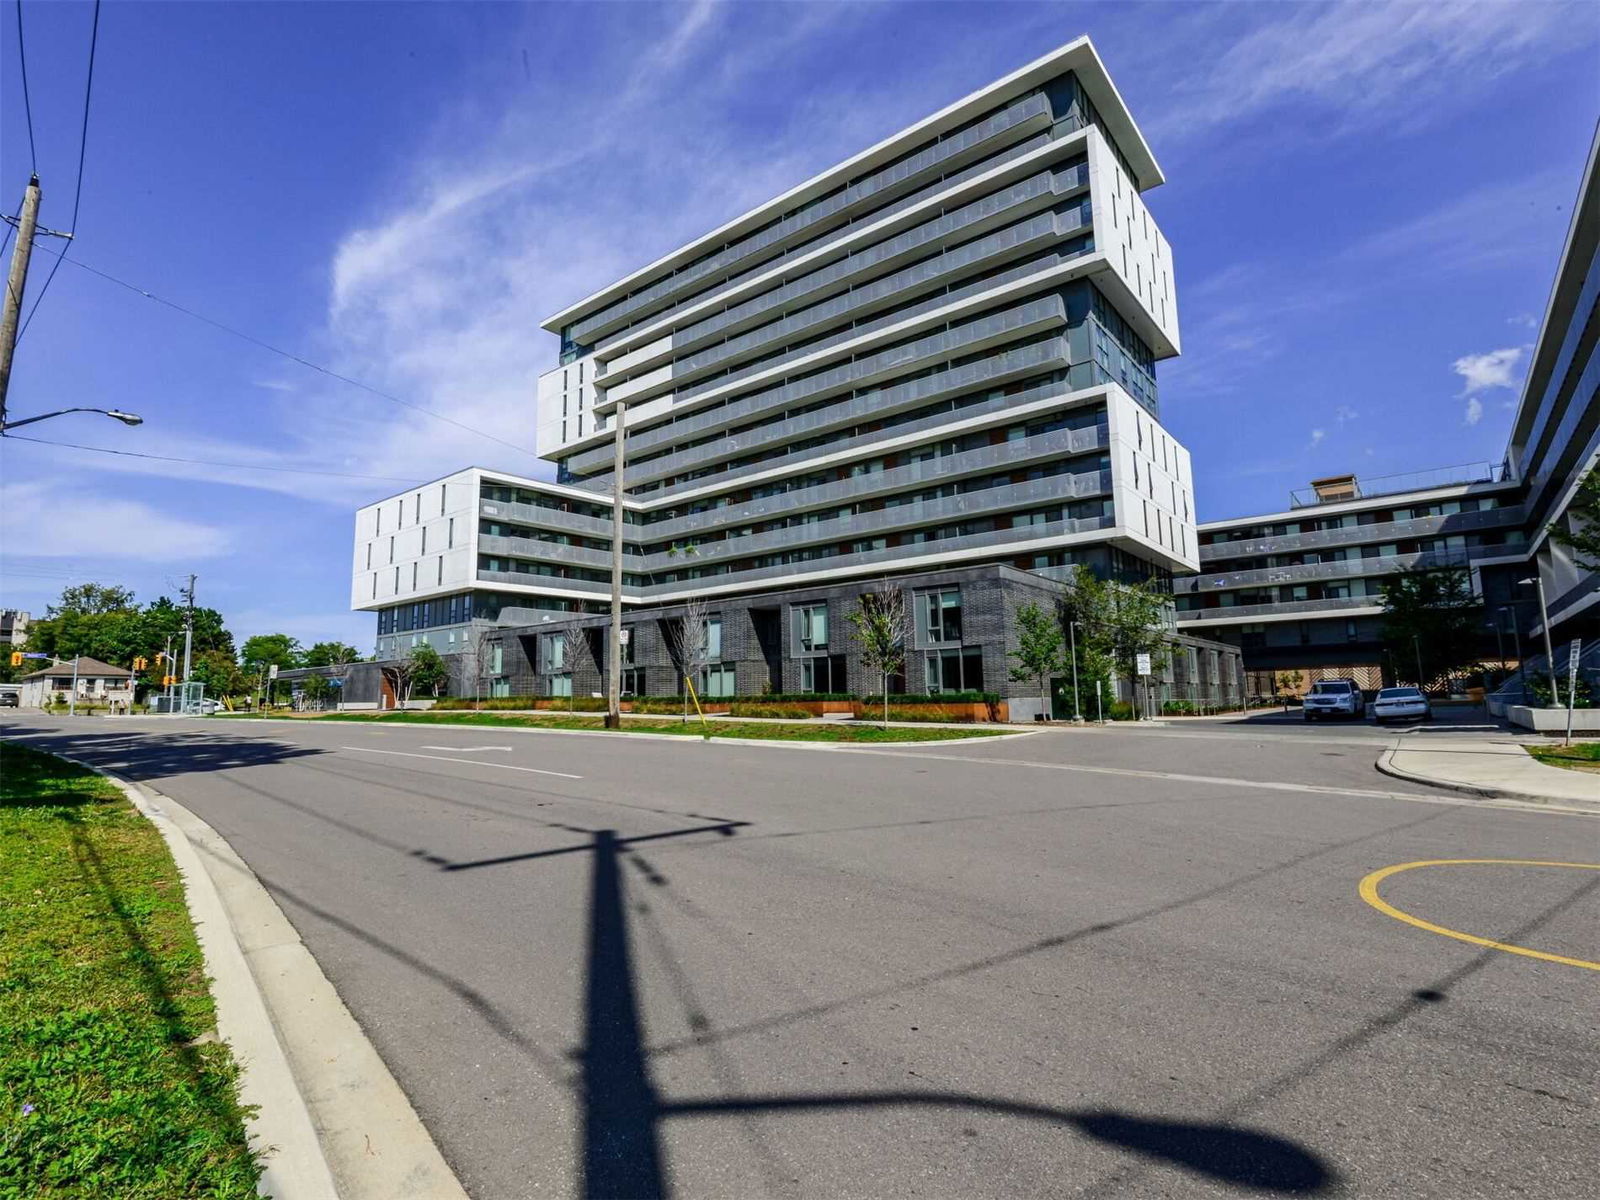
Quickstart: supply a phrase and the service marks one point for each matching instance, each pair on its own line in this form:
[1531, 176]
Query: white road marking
[468, 749]
[471, 762]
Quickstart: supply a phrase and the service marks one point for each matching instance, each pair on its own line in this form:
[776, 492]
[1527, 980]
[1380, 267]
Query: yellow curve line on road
[1369, 893]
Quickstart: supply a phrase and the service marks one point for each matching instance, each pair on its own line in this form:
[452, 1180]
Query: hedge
[939, 698]
[505, 703]
[922, 714]
[787, 712]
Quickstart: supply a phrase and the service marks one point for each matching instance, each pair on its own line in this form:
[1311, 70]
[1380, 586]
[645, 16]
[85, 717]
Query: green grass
[109, 1084]
[812, 731]
[1580, 756]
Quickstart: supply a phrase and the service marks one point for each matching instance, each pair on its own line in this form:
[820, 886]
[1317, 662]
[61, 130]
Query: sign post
[1141, 667]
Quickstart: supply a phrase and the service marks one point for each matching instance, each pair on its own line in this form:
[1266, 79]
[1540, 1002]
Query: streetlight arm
[114, 414]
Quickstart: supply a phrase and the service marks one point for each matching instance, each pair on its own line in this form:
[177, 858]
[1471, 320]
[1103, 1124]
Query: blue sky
[1366, 204]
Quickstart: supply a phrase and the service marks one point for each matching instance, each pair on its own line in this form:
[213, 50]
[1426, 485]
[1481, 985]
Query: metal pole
[188, 640]
[614, 665]
[1072, 638]
[16, 282]
[1416, 647]
[72, 696]
[1549, 651]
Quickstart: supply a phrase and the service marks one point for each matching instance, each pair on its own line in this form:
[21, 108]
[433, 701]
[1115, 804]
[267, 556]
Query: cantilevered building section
[937, 355]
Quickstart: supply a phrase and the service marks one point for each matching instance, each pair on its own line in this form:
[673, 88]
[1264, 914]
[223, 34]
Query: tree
[688, 640]
[220, 674]
[267, 650]
[429, 672]
[1432, 620]
[328, 654]
[1117, 622]
[317, 689]
[92, 599]
[481, 658]
[1580, 532]
[1040, 652]
[401, 674]
[879, 626]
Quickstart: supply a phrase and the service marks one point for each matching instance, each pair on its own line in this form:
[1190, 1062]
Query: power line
[27, 102]
[77, 190]
[206, 462]
[304, 362]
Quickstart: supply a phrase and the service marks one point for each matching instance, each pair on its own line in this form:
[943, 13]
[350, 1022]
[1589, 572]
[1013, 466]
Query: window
[414, 577]
[440, 579]
[450, 537]
[717, 680]
[555, 652]
[424, 549]
[369, 556]
[714, 645]
[939, 617]
[811, 630]
[823, 674]
[561, 685]
[953, 670]
[497, 659]
[391, 551]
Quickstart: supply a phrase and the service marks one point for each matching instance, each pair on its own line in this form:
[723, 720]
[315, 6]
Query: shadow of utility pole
[622, 1111]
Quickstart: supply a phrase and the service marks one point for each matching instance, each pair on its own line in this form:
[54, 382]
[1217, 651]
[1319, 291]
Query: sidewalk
[1490, 766]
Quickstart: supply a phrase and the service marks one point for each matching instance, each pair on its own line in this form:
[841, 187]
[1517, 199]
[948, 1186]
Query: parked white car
[1333, 698]
[1401, 704]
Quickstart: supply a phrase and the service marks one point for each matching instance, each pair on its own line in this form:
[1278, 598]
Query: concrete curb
[333, 1124]
[1387, 766]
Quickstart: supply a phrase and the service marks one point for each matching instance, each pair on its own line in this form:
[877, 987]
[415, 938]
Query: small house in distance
[95, 680]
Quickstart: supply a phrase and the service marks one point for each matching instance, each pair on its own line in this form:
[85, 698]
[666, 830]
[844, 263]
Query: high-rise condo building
[934, 362]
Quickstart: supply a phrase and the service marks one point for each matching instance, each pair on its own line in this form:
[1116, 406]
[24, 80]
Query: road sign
[627, 635]
[272, 671]
[35, 656]
[1572, 656]
[1141, 664]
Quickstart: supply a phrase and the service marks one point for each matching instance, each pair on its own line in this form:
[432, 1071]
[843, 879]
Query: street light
[1549, 652]
[126, 418]
[1516, 648]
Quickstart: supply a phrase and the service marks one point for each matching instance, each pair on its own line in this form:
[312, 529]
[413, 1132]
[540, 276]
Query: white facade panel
[1152, 486]
[416, 544]
[565, 406]
[1126, 233]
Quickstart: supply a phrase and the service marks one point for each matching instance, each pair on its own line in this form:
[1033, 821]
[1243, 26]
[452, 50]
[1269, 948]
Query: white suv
[1333, 698]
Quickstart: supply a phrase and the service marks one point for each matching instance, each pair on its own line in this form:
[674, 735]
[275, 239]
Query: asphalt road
[1077, 963]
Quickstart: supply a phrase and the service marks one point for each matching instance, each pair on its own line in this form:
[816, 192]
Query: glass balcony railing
[1249, 612]
[546, 518]
[1005, 364]
[543, 551]
[1346, 569]
[1387, 531]
[1061, 444]
[581, 587]
[1030, 193]
[1058, 489]
[803, 427]
[1014, 117]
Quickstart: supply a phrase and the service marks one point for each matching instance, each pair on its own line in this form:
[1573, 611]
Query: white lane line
[471, 762]
[468, 749]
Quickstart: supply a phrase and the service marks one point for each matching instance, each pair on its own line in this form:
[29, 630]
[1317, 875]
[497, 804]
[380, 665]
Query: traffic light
[16, 658]
[168, 680]
[160, 657]
[140, 663]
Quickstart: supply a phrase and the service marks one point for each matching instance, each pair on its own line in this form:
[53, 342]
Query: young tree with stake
[879, 625]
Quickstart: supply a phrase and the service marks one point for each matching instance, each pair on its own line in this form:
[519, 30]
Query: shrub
[940, 698]
[787, 712]
[1119, 711]
[930, 713]
[661, 705]
[1179, 708]
[523, 703]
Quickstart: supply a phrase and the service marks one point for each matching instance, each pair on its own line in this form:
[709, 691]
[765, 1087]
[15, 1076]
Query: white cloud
[1474, 412]
[40, 521]
[1316, 437]
[1496, 369]
[1524, 320]
[1344, 414]
[1357, 65]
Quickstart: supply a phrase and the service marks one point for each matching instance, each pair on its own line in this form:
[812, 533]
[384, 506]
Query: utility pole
[16, 282]
[614, 666]
[188, 635]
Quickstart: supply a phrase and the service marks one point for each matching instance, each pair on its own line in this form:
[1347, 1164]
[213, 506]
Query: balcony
[547, 518]
[1028, 114]
[1348, 569]
[1058, 489]
[1251, 612]
[551, 552]
[1388, 531]
[1061, 444]
[993, 370]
